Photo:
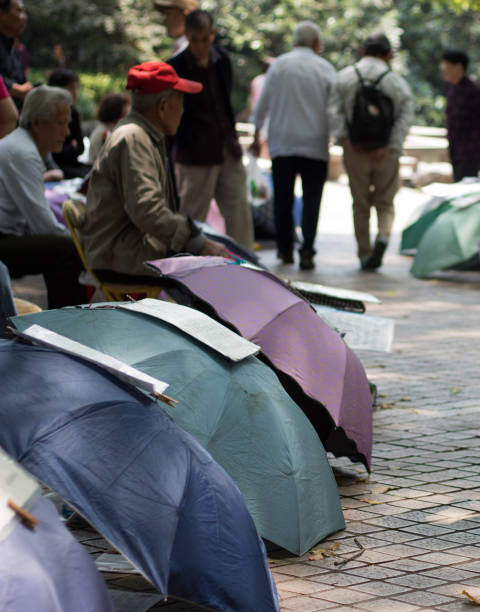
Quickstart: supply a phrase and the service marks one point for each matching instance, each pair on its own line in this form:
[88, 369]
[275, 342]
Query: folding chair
[74, 215]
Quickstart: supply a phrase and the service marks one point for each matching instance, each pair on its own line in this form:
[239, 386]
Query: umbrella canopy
[47, 570]
[237, 410]
[450, 242]
[148, 486]
[316, 367]
[430, 211]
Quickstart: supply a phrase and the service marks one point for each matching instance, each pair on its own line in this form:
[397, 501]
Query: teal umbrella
[450, 242]
[435, 207]
[238, 411]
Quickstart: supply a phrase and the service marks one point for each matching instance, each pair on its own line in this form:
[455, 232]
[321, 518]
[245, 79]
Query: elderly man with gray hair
[131, 201]
[32, 241]
[294, 98]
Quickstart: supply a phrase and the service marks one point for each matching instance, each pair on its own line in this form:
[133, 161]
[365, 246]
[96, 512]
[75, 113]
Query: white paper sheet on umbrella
[336, 292]
[360, 331]
[116, 367]
[15, 485]
[197, 325]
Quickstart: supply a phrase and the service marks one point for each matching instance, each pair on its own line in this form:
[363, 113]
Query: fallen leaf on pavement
[319, 553]
[380, 489]
[473, 599]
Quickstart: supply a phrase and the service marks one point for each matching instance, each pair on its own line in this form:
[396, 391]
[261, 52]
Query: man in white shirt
[372, 172]
[294, 98]
[32, 241]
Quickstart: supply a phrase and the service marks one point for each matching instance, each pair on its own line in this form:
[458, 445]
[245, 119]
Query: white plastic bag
[258, 186]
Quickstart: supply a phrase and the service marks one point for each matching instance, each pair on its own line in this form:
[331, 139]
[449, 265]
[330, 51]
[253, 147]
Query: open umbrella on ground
[115, 456]
[413, 233]
[47, 570]
[450, 242]
[238, 411]
[323, 376]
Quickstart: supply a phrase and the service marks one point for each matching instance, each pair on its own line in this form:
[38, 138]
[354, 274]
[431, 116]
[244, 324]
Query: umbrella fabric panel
[271, 451]
[130, 470]
[412, 234]
[238, 411]
[214, 542]
[47, 570]
[452, 240]
[39, 404]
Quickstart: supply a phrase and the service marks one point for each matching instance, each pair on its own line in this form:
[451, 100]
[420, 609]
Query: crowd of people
[161, 153]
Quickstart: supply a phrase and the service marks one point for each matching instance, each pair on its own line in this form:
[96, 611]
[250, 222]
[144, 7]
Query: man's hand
[256, 145]
[20, 91]
[254, 148]
[53, 175]
[213, 248]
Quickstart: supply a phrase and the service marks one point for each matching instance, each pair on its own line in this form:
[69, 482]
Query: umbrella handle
[25, 517]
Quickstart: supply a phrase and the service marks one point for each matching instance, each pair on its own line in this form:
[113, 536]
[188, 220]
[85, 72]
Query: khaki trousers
[227, 183]
[373, 184]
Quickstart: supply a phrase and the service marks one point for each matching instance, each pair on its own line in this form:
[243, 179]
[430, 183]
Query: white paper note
[198, 325]
[360, 331]
[336, 292]
[118, 368]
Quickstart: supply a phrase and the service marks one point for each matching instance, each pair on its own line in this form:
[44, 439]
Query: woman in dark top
[67, 159]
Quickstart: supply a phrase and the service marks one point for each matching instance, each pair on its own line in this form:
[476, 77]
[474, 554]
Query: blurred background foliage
[101, 40]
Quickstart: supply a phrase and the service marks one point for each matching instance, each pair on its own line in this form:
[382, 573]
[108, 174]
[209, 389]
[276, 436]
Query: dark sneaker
[286, 258]
[306, 260]
[374, 260]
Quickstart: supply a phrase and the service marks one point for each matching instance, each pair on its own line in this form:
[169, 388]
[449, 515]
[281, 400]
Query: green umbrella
[238, 411]
[413, 233]
[450, 242]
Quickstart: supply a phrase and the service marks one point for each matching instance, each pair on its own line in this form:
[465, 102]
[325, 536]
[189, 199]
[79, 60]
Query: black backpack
[372, 118]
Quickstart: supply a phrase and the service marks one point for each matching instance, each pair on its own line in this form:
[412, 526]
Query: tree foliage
[110, 35]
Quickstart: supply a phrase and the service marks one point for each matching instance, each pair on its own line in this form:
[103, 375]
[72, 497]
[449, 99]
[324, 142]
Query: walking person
[294, 99]
[371, 111]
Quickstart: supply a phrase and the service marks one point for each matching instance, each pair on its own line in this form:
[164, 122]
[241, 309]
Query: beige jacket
[131, 214]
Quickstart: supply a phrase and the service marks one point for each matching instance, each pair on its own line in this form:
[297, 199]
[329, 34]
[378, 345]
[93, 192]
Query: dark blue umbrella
[147, 485]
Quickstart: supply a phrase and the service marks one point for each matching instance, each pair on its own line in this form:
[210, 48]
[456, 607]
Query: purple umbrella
[316, 367]
[47, 570]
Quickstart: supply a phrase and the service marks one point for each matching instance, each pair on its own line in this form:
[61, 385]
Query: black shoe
[306, 260]
[374, 260]
[286, 258]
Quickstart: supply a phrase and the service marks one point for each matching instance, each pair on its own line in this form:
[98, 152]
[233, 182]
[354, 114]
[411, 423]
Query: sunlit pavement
[416, 518]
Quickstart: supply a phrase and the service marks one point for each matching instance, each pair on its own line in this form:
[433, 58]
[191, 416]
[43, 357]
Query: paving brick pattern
[416, 517]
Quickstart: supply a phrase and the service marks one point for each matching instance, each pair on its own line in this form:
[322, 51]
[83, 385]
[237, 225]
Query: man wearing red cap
[131, 204]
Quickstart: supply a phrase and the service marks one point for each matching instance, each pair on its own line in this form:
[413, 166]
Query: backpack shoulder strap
[359, 75]
[378, 79]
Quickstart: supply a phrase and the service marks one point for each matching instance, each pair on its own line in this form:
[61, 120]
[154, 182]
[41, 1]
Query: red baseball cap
[154, 77]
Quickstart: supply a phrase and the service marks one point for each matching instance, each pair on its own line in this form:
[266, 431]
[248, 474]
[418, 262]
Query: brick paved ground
[417, 516]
